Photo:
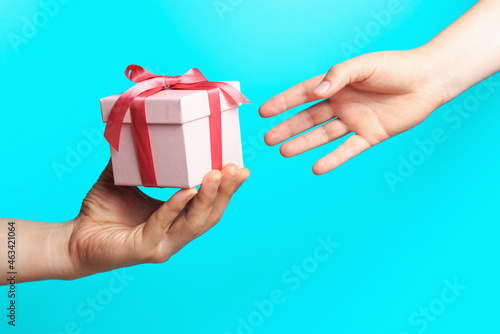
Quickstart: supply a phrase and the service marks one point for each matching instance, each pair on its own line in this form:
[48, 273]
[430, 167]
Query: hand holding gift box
[170, 131]
[159, 137]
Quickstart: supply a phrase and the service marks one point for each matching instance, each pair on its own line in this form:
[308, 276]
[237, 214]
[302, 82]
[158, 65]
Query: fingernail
[217, 182]
[322, 87]
[191, 196]
[234, 170]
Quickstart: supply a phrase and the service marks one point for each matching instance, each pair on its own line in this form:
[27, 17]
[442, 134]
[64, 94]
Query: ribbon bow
[148, 84]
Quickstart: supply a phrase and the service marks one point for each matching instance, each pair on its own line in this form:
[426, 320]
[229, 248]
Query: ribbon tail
[235, 94]
[115, 120]
[215, 128]
[119, 110]
[143, 142]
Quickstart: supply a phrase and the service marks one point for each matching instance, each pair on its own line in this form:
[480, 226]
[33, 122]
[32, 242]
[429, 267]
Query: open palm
[376, 96]
[121, 226]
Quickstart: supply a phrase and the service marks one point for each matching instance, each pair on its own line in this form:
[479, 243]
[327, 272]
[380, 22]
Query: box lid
[174, 106]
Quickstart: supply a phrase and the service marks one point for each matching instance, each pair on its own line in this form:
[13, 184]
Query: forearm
[34, 250]
[468, 51]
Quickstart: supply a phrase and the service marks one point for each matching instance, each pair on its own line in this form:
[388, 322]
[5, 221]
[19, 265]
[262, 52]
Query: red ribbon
[149, 84]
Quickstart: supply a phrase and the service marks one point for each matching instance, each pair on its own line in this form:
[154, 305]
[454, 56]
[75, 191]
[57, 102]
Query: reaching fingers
[329, 132]
[291, 98]
[353, 146]
[320, 87]
[343, 74]
[161, 219]
[304, 120]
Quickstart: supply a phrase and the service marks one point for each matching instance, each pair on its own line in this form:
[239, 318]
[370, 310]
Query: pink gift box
[179, 129]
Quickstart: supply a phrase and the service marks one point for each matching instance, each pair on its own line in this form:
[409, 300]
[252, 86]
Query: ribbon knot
[148, 84]
[171, 81]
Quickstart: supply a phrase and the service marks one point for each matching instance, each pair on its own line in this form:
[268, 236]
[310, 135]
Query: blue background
[398, 245]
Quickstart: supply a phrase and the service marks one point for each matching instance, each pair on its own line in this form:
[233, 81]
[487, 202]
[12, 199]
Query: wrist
[440, 73]
[41, 250]
[59, 260]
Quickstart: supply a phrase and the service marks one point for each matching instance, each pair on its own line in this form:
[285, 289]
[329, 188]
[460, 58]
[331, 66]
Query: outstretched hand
[376, 96]
[121, 226]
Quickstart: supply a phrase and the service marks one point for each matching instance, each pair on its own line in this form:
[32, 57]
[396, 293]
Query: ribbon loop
[138, 73]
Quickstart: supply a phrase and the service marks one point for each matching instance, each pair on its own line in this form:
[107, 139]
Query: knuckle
[319, 114]
[196, 230]
[336, 70]
[325, 136]
[347, 153]
[308, 117]
[339, 73]
[210, 198]
[280, 103]
[175, 206]
[342, 126]
[204, 203]
[216, 220]
[157, 255]
[381, 136]
[377, 137]
[160, 258]
[160, 216]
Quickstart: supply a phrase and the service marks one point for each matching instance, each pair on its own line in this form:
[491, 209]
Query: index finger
[291, 98]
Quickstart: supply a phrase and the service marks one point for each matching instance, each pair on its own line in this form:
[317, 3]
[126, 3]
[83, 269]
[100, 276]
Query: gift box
[171, 135]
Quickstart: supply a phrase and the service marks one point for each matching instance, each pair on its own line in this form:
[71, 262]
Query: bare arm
[34, 250]
[468, 51]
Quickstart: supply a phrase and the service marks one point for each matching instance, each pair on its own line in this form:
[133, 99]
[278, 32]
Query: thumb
[351, 71]
[161, 219]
